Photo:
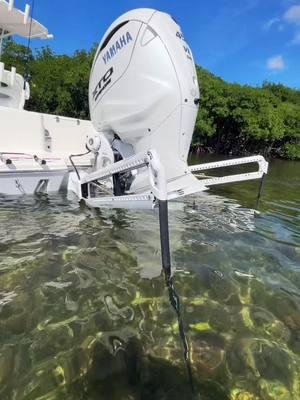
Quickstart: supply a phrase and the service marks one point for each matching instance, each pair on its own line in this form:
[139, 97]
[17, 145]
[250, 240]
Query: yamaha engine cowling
[143, 90]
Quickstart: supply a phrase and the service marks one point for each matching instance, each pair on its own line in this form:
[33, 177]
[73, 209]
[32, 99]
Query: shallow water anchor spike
[173, 296]
[260, 190]
[164, 238]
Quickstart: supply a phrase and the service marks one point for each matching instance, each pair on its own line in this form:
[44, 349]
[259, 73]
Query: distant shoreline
[198, 150]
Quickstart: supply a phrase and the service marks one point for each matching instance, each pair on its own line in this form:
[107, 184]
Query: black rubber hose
[72, 162]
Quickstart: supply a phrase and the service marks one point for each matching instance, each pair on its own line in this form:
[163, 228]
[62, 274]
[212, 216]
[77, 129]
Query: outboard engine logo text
[117, 46]
[103, 83]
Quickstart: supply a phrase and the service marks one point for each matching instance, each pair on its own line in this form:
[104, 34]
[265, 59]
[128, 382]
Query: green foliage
[292, 151]
[232, 119]
[16, 55]
[240, 120]
[59, 83]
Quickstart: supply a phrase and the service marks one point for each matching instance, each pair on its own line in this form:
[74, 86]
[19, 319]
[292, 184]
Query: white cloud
[276, 63]
[296, 39]
[268, 25]
[292, 15]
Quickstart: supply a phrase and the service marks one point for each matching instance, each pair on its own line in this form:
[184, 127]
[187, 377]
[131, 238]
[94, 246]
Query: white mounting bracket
[211, 181]
[149, 160]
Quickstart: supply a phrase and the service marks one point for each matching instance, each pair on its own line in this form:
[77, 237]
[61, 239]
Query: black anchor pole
[164, 238]
[260, 190]
[173, 296]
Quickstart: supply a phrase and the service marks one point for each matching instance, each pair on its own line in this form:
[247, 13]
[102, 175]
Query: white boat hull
[18, 183]
[35, 151]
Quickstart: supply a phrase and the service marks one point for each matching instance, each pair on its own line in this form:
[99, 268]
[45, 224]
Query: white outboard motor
[144, 92]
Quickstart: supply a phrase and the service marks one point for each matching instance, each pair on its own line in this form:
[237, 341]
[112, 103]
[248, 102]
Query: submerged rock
[51, 340]
[260, 359]
[7, 360]
[240, 394]
[273, 390]
[207, 352]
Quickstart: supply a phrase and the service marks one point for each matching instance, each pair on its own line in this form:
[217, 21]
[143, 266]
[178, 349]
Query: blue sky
[245, 41]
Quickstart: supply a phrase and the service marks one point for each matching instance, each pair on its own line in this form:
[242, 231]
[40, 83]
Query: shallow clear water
[84, 312]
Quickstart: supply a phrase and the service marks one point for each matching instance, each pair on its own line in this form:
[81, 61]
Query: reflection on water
[84, 312]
